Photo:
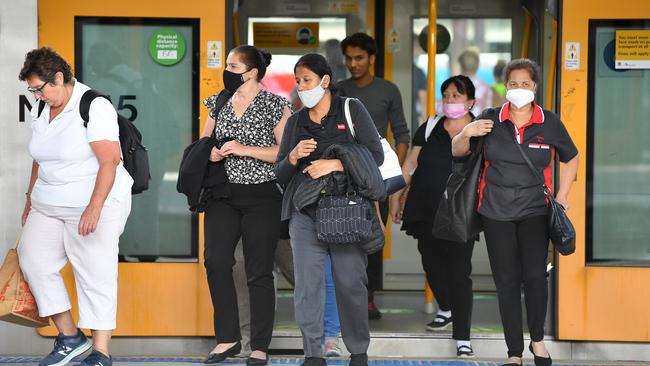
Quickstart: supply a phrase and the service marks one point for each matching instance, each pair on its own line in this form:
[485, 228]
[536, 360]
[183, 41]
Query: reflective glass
[490, 38]
[158, 98]
[618, 189]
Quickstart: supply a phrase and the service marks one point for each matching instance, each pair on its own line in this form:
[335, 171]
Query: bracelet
[28, 194]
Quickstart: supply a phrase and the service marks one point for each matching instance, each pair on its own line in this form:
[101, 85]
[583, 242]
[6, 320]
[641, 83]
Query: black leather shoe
[359, 359]
[219, 357]
[540, 361]
[514, 363]
[314, 361]
[373, 311]
[254, 361]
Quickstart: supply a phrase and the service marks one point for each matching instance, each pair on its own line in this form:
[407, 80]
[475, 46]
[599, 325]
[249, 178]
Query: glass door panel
[114, 57]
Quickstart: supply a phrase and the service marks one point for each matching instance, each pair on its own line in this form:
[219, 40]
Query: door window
[618, 156]
[158, 90]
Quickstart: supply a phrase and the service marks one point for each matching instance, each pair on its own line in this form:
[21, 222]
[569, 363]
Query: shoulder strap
[84, 104]
[348, 117]
[221, 100]
[41, 106]
[532, 169]
[431, 124]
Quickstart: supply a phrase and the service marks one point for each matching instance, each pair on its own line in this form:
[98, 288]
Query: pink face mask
[454, 110]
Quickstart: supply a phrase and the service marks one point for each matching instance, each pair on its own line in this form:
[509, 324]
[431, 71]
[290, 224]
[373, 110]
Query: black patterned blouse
[254, 128]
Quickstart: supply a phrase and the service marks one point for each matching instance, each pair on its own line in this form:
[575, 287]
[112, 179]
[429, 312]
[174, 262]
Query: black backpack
[134, 155]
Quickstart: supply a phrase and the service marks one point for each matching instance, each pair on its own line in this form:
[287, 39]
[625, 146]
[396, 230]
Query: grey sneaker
[97, 358]
[65, 349]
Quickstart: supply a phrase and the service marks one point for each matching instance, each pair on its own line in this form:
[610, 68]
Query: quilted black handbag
[344, 218]
[560, 228]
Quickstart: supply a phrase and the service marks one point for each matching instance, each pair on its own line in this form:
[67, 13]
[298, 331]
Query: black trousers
[448, 266]
[518, 252]
[375, 268]
[252, 214]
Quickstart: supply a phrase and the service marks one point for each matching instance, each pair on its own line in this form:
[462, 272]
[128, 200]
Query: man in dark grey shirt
[380, 97]
[384, 102]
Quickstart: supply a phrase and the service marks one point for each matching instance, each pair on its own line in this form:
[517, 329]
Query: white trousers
[50, 239]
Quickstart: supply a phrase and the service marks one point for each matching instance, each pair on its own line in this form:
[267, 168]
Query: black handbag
[457, 219]
[344, 218]
[560, 228]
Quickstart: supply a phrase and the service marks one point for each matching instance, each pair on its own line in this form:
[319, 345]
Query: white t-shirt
[67, 165]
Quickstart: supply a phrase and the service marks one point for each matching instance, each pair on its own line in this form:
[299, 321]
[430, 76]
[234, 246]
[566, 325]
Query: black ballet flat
[219, 357]
[254, 361]
[540, 361]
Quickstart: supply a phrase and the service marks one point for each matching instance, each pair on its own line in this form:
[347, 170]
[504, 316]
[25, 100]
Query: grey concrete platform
[399, 334]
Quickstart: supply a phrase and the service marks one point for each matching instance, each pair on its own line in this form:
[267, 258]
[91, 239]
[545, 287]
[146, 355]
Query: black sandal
[440, 322]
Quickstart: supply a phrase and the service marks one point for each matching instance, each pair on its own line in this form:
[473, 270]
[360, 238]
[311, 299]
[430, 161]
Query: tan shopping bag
[17, 304]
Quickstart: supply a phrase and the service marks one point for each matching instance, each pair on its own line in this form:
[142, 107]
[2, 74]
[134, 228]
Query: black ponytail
[254, 58]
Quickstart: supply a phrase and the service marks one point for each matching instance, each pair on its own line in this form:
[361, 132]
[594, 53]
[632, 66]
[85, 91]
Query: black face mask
[232, 81]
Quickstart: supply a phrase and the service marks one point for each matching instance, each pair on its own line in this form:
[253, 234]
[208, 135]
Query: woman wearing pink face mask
[447, 265]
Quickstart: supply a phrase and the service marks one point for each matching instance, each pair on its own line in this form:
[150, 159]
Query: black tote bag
[457, 219]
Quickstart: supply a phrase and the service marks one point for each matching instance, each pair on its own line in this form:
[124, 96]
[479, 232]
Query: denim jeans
[332, 326]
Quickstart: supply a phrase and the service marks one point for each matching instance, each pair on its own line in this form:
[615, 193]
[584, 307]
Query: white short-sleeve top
[67, 165]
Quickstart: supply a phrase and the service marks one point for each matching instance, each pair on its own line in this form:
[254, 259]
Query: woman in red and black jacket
[512, 203]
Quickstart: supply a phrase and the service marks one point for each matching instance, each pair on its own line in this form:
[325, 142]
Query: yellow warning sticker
[572, 56]
[632, 49]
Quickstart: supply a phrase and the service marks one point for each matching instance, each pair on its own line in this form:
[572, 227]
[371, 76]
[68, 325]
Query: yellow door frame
[595, 303]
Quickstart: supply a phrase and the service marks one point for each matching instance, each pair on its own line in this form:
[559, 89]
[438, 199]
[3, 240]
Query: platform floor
[179, 361]
[403, 313]
[398, 339]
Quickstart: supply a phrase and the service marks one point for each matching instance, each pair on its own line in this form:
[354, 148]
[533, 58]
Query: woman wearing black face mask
[252, 122]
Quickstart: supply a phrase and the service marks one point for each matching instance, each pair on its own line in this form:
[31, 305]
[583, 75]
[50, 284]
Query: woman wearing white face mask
[447, 265]
[512, 204]
[308, 133]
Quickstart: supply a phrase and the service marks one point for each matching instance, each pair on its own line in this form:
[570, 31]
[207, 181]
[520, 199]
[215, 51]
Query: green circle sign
[167, 47]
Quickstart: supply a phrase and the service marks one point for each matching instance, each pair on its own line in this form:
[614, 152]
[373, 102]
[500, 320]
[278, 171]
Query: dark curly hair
[360, 40]
[44, 63]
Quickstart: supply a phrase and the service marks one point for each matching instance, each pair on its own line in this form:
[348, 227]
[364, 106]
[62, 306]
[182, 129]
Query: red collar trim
[537, 117]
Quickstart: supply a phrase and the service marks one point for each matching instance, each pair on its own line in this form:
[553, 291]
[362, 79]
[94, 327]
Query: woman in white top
[78, 201]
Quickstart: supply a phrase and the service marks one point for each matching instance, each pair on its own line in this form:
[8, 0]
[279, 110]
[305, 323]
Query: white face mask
[520, 97]
[311, 97]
